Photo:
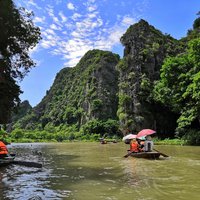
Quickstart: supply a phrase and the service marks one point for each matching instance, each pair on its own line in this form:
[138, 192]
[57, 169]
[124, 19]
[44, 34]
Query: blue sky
[72, 27]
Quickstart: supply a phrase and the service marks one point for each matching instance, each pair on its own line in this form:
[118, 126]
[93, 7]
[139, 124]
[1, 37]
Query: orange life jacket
[134, 147]
[3, 148]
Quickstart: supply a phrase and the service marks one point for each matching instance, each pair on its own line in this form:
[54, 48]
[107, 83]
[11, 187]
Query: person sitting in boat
[134, 146]
[148, 144]
[140, 144]
[3, 150]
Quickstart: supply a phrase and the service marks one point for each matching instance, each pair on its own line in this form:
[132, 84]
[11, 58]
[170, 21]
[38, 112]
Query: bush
[168, 141]
[17, 133]
[93, 126]
[109, 127]
[94, 137]
[192, 137]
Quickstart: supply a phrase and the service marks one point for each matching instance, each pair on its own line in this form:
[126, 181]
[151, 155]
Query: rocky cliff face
[94, 89]
[87, 91]
[145, 50]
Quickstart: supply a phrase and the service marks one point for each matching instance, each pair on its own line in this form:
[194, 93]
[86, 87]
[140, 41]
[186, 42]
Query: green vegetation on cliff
[145, 50]
[78, 95]
[155, 85]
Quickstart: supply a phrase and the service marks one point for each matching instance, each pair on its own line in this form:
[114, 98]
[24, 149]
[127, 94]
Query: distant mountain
[23, 109]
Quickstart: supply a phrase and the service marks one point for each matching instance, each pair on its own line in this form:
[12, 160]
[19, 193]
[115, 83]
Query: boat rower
[148, 144]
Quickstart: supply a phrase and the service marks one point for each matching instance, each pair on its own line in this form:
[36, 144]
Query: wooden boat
[10, 160]
[7, 160]
[149, 155]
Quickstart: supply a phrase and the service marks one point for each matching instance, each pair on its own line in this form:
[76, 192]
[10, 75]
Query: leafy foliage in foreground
[17, 36]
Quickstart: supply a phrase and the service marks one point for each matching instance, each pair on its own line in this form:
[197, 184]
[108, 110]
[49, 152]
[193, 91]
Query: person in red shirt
[134, 147]
[3, 150]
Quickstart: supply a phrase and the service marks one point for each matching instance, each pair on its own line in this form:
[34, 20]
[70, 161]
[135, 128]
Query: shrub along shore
[28, 136]
[156, 141]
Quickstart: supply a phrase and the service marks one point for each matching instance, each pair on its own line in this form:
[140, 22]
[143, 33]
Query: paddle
[27, 164]
[164, 155]
[128, 154]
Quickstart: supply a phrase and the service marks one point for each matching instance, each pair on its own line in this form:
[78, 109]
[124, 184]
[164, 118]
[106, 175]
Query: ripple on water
[30, 183]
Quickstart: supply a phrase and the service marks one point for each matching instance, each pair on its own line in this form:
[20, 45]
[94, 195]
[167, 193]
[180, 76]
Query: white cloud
[70, 6]
[128, 20]
[55, 27]
[92, 15]
[39, 19]
[62, 16]
[71, 34]
[92, 8]
[32, 3]
[50, 11]
[76, 34]
[76, 16]
[54, 18]
[46, 44]
[72, 62]
[50, 32]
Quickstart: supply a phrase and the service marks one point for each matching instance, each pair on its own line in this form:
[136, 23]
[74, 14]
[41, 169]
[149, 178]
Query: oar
[128, 154]
[164, 155]
[27, 164]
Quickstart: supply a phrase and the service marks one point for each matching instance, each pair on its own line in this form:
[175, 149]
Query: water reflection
[24, 183]
[174, 177]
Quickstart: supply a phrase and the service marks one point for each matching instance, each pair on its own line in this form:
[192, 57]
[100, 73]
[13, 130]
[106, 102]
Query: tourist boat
[149, 155]
[10, 160]
[7, 160]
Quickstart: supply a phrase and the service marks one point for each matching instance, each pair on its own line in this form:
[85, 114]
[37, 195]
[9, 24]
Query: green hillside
[104, 95]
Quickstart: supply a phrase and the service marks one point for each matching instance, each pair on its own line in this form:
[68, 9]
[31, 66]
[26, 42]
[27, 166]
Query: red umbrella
[145, 132]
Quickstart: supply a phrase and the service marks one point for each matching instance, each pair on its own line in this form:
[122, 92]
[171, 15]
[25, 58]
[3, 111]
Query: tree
[17, 36]
[179, 87]
[195, 32]
[196, 24]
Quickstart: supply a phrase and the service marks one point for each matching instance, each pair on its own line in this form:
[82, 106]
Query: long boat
[149, 155]
[7, 160]
[10, 160]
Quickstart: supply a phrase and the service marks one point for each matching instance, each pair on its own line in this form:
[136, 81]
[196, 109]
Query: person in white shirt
[148, 144]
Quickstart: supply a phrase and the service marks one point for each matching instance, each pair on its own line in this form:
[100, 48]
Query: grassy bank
[21, 136]
[168, 141]
[156, 141]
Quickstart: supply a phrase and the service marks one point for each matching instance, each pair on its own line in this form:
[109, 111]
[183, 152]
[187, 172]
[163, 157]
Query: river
[93, 171]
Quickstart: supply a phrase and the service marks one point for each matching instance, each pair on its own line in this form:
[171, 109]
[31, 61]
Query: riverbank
[27, 136]
[168, 141]
[156, 141]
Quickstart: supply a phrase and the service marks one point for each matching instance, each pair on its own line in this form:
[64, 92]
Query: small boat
[104, 142]
[10, 160]
[149, 155]
[7, 160]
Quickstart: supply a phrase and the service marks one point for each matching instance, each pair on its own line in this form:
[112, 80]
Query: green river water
[92, 171]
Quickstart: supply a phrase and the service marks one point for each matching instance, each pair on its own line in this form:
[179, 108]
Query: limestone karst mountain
[102, 86]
